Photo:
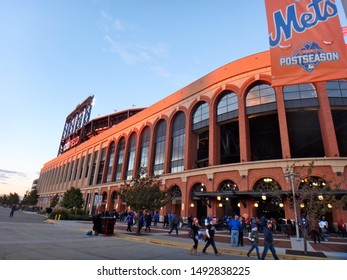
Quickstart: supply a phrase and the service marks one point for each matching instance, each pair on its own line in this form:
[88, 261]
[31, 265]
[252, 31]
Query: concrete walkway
[286, 247]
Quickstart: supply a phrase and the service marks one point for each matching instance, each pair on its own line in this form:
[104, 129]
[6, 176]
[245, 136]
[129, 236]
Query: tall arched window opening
[227, 118]
[144, 148]
[177, 143]
[265, 140]
[159, 148]
[110, 161]
[120, 159]
[201, 130]
[305, 137]
[131, 156]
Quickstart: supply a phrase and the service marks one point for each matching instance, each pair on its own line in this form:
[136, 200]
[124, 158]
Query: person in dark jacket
[97, 224]
[166, 220]
[268, 242]
[174, 223]
[210, 230]
[195, 229]
[148, 221]
[12, 210]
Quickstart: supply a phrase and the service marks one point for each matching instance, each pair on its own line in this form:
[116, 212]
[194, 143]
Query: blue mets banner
[306, 41]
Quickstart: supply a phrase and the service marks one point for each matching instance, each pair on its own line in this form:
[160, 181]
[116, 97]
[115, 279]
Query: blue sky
[54, 54]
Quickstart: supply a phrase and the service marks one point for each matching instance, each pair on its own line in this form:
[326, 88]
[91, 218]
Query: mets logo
[308, 55]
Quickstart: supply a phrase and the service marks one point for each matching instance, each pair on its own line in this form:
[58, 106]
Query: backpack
[141, 222]
[130, 220]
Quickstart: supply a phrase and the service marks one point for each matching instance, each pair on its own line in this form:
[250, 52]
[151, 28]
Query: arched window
[201, 116]
[200, 127]
[199, 188]
[260, 98]
[110, 161]
[120, 159]
[227, 107]
[131, 156]
[101, 166]
[159, 148]
[92, 175]
[228, 186]
[268, 200]
[300, 96]
[144, 148]
[266, 185]
[177, 142]
[176, 192]
[260, 94]
[302, 91]
[314, 182]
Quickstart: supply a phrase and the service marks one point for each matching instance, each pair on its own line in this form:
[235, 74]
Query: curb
[187, 246]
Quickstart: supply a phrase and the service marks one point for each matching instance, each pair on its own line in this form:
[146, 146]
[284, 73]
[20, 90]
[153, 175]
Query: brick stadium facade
[218, 144]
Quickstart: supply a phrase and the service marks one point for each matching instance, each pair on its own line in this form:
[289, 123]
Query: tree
[54, 201]
[4, 199]
[30, 198]
[143, 192]
[316, 197]
[73, 199]
[13, 198]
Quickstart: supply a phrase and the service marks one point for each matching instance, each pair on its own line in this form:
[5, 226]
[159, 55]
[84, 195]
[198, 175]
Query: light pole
[290, 176]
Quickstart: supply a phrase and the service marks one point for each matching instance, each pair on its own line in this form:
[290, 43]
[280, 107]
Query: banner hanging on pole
[306, 41]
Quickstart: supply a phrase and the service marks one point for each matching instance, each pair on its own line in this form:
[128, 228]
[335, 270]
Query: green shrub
[70, 215]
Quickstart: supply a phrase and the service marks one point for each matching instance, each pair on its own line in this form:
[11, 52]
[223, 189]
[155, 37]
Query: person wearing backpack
[253, 236]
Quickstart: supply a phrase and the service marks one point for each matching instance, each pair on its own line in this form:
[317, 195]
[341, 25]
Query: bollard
[59, 217]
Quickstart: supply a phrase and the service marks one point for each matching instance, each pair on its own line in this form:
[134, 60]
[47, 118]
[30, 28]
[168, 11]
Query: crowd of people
[238, 227]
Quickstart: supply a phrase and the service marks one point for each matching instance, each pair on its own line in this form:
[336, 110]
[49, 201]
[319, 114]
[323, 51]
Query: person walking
[341, 226]
[139, 221]
[195, 233]
[130, 221]
[324, 228]
[166, 220]
[210, 231]
[253, 236]
[148, 221]
[156, 218]
[268, 242]
[234, 226]
[174, 223]
[12, 210]
[315, 233]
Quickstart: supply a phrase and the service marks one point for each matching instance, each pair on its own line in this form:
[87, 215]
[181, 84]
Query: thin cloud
[119, 40]
[109, 24]
[7, 175]
[130, 54]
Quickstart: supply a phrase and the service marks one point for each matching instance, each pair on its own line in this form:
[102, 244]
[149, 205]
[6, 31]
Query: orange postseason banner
[306, 41]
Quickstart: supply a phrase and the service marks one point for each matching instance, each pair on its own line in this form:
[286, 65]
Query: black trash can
[107, 225]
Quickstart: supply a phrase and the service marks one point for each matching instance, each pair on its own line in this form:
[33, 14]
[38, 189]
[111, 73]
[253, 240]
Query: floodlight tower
[74, 121]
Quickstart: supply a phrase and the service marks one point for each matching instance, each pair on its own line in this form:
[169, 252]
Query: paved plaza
[29, 236]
